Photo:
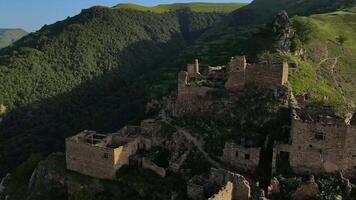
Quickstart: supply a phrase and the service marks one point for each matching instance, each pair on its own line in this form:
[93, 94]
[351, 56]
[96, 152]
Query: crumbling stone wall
[246, 159]
[187, 92]
[241, 187]
[241, 73]
[148, 164]
[267, 74]
[92, 160]
[193, 69]
[102, 160]
[225, 193]
[318, 147]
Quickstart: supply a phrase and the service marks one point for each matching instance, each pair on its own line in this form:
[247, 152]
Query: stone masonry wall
[225, 193]
[267, 74]
[91, 160]
[317, 148]
[241, 187]
[246, 159]
[349, 159]
[241, 74]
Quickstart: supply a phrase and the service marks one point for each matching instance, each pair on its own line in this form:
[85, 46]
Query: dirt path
[197, 143]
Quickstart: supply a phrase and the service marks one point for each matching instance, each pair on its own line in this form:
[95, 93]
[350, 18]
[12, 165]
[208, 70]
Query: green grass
[196, 7]
[324, 78]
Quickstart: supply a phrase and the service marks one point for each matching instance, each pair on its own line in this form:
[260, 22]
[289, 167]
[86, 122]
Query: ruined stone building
[100, 155]
[240, 73]
[236, 75]
[320, 142]
[197, 91]
[220, 185]
[241, 157]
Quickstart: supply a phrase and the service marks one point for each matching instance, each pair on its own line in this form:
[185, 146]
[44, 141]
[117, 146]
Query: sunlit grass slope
[196, 7]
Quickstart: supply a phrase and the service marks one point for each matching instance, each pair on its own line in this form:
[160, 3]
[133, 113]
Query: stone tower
[193, 69]
[236, 74]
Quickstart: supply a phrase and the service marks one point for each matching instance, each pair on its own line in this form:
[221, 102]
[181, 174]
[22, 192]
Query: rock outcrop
[282, 32]
[307, 190]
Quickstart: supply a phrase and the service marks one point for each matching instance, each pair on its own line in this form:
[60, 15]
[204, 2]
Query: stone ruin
[196, 90]
[241, 157]
[236, 75]
[100, 156]
[219, 185]
[320, 142]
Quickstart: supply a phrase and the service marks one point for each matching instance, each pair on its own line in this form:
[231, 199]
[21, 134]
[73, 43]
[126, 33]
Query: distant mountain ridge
[196, 7]
[9, 36]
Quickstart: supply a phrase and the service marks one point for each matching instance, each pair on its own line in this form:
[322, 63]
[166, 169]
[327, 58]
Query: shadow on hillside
[105, 103]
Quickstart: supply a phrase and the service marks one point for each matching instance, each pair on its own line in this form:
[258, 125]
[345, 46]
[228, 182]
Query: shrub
[24, 171]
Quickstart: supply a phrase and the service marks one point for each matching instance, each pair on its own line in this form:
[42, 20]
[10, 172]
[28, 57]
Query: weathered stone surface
[246, 159]
[275, 187]
[322, 147]
[241, 73]
[241, 187]
[101, 156]
[282, 31]
[306, 191]
[225, 193]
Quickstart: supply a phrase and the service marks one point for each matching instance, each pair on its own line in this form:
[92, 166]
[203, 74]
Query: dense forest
[92, 71]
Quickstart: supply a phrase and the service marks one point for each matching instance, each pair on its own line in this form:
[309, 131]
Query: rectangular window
[105, 155]
[247, 156]
[237, 154]
[319, 136]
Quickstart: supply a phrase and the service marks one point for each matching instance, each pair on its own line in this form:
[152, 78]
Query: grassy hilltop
[196, 7]
[8, 36]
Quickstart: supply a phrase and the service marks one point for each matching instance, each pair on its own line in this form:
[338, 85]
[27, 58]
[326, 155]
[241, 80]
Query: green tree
[84, 194]
[2, 110]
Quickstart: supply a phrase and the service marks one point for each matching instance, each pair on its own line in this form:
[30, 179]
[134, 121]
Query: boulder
[307, 190]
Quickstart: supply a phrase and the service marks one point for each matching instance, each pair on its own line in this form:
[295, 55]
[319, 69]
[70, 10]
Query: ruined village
[319, 143]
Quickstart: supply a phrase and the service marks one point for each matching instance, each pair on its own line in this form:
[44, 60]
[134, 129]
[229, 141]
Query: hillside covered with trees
[92, 71]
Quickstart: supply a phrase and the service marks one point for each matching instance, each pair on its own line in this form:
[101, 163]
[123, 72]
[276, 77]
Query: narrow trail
[199, 146]
[197, 143]
[329, 69]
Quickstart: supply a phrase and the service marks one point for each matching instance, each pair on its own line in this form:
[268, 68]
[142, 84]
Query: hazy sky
[33, 14]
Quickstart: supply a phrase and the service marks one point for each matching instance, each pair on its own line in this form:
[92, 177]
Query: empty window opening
[319, 136]
[237, 154]
[311, 146]
[247, 156]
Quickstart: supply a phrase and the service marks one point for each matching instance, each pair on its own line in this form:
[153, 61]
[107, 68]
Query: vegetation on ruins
[98, 69]
[256, 114]
[92, 71]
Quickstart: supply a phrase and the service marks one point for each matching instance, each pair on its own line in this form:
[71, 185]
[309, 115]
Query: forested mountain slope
[91, 71]
[8, 36]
